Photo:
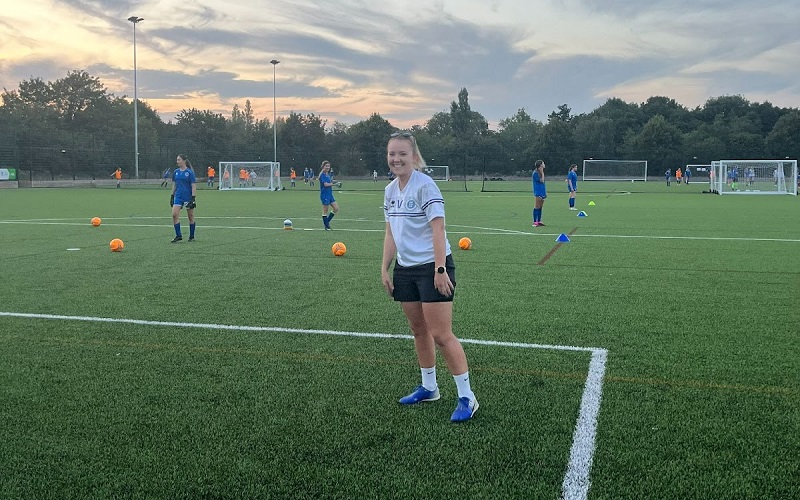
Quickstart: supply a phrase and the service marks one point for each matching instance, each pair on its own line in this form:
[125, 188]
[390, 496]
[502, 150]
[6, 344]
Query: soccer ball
[116, 245]
[465, 243]
[96, 221]
[287, 224]
[338, 249]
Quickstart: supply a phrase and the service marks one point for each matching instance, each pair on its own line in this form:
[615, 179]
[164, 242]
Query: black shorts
[415, 283]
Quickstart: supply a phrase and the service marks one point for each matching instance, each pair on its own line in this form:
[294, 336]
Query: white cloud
[345, 59]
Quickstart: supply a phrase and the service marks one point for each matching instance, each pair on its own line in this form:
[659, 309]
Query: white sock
[429, 378]
[462, 384]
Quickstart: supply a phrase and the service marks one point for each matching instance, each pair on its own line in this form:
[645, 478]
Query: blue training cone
[582, 214]
[562, 238]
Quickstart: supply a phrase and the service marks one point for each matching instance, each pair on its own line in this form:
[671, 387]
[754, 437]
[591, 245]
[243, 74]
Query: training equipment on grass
[96, 221]
[591, 203]
[614, 170]
[582, 214]
[754, 177]
[287, 224]
[562, 238]
[437, 172]
[116, 245]
[338, 249]
[465, 243]
[250, 176]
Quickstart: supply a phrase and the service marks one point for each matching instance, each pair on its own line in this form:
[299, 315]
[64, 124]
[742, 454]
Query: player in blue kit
[184, 190]
[326, 195]
[423, 279]
[572, 185]
[539, 192]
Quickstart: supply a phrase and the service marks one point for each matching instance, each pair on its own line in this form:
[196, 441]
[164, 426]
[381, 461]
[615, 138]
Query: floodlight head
[274, 61]
[135, 19]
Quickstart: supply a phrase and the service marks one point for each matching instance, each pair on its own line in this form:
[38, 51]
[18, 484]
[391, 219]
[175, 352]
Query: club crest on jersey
[411, 204]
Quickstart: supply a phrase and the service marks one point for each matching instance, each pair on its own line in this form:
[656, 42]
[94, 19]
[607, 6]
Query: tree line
[73, 127]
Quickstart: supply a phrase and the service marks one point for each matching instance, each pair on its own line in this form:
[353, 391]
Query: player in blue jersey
[572, 185]
[184, 190]
[668, 175]
[165, 182]
[423, 279]
[329, 206]
[539, 192]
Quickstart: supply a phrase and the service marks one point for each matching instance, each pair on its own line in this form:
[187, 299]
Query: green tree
[625, 118]
[659, 142]
[368, 149]
[784, 139]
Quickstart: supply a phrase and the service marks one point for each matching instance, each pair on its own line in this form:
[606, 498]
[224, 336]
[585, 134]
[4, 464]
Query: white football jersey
[409, 212]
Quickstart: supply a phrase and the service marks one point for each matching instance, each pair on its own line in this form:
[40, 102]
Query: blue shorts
[327, 200]
[179, 202]
[415, 283]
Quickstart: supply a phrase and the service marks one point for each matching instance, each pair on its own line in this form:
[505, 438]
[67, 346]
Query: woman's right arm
[389, 250]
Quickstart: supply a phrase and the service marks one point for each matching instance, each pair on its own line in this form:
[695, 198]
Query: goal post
[438, 172]
[756, 176]
[614, 170]
[250, 175]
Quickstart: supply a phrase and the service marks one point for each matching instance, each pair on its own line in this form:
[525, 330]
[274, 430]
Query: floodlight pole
[274, 63]
[135, 20]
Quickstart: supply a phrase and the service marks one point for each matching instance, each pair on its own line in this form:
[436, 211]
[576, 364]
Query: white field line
[465, 229]
[576, 481]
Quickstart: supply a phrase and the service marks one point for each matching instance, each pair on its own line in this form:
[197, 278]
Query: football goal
[250, 175]
[614, 170]
[438, 172]
[755, 176]
[700, 172]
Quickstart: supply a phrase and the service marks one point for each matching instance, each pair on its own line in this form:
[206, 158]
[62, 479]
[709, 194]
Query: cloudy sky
[346, 59]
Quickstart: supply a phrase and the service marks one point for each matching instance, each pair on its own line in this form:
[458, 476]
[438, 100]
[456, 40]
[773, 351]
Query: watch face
[440, 270]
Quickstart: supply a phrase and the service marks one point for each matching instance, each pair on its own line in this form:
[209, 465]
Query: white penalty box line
[576, 480]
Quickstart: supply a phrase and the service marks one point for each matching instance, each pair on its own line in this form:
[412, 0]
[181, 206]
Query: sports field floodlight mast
[135, 20]
[274, 63]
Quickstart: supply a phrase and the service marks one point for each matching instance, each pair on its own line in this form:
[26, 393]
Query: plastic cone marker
[562, 238]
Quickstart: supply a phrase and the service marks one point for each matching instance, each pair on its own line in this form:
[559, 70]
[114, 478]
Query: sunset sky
[346, 59]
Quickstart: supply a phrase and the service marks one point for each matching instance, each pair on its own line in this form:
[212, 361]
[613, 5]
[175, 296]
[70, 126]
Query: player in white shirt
[423, 279]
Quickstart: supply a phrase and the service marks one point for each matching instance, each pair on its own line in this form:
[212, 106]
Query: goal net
[614, 170]
[699, 172]
[250, 175]
[756, 176]
[438, 172]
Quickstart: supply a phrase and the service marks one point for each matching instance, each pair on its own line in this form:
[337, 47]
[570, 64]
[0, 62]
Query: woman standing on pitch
[423, 280]
[572, 185]
[326, 194]
[539, 192]
[184, 190]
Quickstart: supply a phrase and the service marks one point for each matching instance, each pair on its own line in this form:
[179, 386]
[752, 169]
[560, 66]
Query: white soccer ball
[287, 224]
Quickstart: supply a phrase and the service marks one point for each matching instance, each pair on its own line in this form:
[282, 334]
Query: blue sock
[540, 215]
[537, 214]
[178, 230]
[325, 220]
[534, 215]
[191, 230]
[330, 216]
[572, 203]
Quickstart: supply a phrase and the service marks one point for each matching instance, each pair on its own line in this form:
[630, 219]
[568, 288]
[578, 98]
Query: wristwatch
[440, 270]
